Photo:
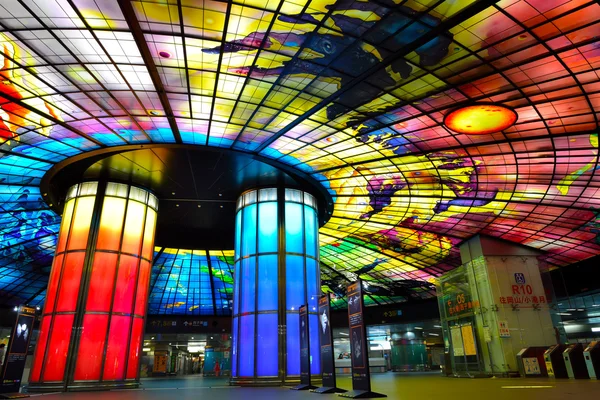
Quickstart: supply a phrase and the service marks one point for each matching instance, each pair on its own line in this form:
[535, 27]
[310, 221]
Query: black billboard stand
[304, 352]
[327, 359]
[359, 348]
[14, 362]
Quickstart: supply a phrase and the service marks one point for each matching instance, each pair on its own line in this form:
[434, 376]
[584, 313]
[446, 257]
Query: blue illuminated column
[276, 271]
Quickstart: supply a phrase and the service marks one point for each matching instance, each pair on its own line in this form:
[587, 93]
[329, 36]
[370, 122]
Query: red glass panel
[56, 359]
[149, 230]
[142, 288]
[134, 348]
[70, 282]
[80, 228]
[101, 281]
[118, 337]
[111, 224]
[40, 349]
[53, 283]
[126, 282]
[91, 347]
[134, 225]
[65, 226]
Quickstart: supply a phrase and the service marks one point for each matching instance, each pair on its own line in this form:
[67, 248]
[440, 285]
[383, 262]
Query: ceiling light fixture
[480, 119]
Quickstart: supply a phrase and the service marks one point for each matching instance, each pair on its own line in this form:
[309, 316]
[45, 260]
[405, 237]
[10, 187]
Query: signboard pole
[327, 359]
[304, 352]
[359, 348]
[18, 345]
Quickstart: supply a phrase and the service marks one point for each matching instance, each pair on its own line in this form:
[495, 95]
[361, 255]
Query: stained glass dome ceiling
[353, 93]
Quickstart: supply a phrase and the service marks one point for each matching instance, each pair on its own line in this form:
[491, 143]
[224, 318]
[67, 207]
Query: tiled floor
[412, 386]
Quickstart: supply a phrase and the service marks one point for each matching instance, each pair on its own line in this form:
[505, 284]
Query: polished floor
[398, 386]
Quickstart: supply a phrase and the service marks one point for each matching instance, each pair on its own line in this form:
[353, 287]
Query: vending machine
[555, 363]
[574, 362]
[592, 360]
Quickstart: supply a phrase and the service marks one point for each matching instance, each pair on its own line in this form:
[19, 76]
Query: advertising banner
[359, 347]
[304, 347]
[14, 362]
[326, 340]
[304, 352]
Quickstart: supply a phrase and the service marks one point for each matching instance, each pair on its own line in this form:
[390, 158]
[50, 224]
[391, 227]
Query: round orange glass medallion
[480, 119]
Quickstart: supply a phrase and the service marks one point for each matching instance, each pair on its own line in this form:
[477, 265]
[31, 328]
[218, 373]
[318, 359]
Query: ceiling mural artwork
[365, 97]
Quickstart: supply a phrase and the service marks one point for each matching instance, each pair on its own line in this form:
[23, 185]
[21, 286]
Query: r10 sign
[522, 289]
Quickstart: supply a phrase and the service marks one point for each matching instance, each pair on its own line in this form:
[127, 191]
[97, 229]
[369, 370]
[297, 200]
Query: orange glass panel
[91, 347]
[126, 283]
[70, 282]
[40, 349]
[149, 230]
[480, 119]
[134, 348]
[56, 359]
[134, 226]
[80, 229]
[65, 226]
[142, 288]
[53, 283]
[101, 281]
[111, 224]
[118, 337]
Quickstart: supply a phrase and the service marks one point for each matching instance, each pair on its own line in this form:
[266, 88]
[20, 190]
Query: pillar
[493, 306]
[93, 320]
[276, 271]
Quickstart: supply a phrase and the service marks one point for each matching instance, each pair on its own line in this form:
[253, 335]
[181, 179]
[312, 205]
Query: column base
[271, 381]
[80, 386]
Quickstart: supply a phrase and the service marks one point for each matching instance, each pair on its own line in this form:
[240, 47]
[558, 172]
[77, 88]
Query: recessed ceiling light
[480, 119]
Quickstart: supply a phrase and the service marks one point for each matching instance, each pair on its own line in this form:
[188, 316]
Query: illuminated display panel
[407, 189]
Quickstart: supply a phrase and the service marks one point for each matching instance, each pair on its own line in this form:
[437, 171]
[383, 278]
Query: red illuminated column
[93, 319]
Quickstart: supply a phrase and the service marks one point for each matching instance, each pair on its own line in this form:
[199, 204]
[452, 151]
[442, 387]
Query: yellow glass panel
[65, 225]
[134, 225]
[149, 231]
[111, 224]
[80, 228]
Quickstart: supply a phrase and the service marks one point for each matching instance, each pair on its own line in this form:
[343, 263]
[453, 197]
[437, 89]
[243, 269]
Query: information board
[359, 347]
[14, 362]
[468, 340]
[304, 347]
[326, 340]
[457, 344]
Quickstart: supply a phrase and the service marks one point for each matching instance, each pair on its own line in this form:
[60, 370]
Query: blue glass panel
[294, 276]
[266, 346]
[234, 342]
[248, 284]
[267, 227]
[238, 234]
[313, 288]
[267, 283]
[294, 242]
[315, 348]
[236, 287]
[246, 345]
[249, 230]
[293, 344]
[311, 231]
